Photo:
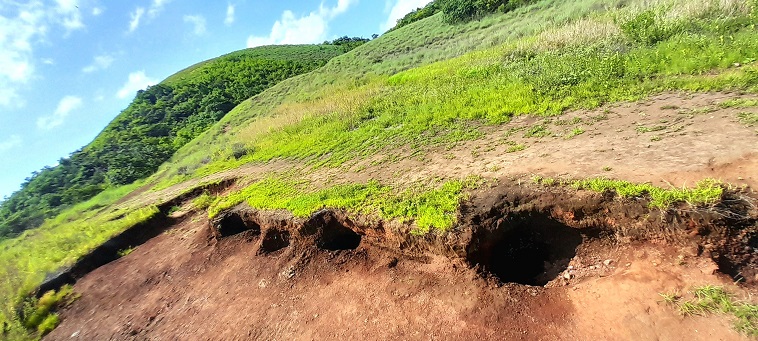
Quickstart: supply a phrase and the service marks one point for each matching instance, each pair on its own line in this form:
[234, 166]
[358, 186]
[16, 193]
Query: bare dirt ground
[186, 285]
[181, 286]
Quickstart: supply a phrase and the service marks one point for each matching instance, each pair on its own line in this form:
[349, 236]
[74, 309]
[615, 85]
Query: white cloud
[137, 81]
[99, 63]
[65, 106]
[399, 9]
[22, 25]
[229, 20]
[308, 29]
[96, 11]
[136, 16]
[48, 61]
[10, 143]
[69, 10]
[198, 21]
[156, 7]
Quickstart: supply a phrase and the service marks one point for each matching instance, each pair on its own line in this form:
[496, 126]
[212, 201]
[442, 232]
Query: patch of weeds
[644, 129]
[449, 156]
[739, 103]
[706, 192]
[574, 132]
[702, 110]
[125, 252]
[494, 168]
[607, 169]
[573, 121]
[670, 298]
[655, 138]
[173, 209]
[597, 118]
[543, 181]
[515, 147]
[748, 118]
[512, 131]
[669, 107]
[39, 314]
[537, 131]
[203, 201]
[475, 153]
[677, 129]
[714, 299]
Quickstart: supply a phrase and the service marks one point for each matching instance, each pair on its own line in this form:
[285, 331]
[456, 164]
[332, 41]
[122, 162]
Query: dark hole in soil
[738, 257]
[531, 250]
[335, 236]
[274, 240]
[232, 224]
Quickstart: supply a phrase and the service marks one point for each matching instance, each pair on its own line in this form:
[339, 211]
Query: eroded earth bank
[525, 262]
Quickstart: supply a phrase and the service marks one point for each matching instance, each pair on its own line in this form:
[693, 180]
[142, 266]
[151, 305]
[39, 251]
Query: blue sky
[68, 67]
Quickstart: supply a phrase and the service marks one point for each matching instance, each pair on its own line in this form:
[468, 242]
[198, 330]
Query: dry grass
[342, 103]
[582, 32]
[676, 10]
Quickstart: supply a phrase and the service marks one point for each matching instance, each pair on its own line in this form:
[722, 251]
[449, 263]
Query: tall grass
[28, 258]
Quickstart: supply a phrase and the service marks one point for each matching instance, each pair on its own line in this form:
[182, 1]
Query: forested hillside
[159, 121]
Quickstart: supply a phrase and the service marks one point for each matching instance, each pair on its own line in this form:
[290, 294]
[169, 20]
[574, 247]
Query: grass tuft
[748, 118]
[705, 192]
[714, 299]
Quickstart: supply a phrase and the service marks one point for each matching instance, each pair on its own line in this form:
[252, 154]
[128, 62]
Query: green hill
[159, 121]
[428, 84]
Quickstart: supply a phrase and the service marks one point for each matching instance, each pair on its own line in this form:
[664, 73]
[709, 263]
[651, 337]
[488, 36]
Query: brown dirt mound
[524, 264]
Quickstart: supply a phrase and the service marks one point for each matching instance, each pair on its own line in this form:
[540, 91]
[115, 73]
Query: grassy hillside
[426, 84]
[624, 54]
[159, 121]
[348, 80]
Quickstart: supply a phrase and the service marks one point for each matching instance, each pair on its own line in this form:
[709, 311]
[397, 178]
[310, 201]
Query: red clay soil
[186, 285]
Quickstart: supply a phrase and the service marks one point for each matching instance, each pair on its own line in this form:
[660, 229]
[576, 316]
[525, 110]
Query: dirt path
[673, 139]
[669, 139]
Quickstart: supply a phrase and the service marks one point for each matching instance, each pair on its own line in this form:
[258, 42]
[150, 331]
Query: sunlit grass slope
[623, 54]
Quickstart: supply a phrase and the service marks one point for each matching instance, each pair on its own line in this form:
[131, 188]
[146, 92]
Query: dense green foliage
[463, 10]
[160, 120]
[429, 10]
[347, 43]
[458, 11]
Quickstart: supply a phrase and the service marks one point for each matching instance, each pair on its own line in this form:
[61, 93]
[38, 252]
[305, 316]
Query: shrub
[647, 29]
